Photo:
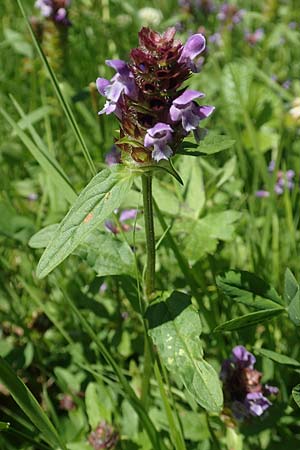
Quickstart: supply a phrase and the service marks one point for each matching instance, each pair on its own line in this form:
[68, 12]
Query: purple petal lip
[242, 357]
[159, 128]
[205, 111]
[102, 84]
[118, 65]
[188, 96]
[271, 390]
[256, 403]
[193, 47]
[160, 153]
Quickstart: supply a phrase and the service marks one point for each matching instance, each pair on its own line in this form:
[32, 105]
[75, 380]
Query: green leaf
[42, 238]
[199, 237]
[294, 309]
[292, 296]
[4, 426]
[277, 357]
[291, 286]
[296, 394]
[29, 405]
[175, 328]
[211, 144]
[249, 320]
[245, 287]
[101, 196]
[107, 255]
[98, 404]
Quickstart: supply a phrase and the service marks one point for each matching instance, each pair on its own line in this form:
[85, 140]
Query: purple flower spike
[242, 357]
[193, 47]
[159, 136]
[256, 403]
[185, 109]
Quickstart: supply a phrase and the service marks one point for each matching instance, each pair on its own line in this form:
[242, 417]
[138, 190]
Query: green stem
[150, 238]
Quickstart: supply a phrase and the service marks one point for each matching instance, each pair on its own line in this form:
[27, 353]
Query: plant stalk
[150, 238]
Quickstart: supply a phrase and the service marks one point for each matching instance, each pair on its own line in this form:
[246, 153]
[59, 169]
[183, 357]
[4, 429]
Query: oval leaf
[175, 328]
[277, 357]
[249, 320]
[245, 287]
[102, 195]
[296, 394]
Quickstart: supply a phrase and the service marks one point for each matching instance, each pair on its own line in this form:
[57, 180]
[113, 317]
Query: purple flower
[113, 156]
[193, 47]
[122, 82]
[243, 358]
[159, 136]
[184, 109]
[126, 214]
[262, 194]
[271, 166]
[103, 437]
[243, 391]
[256, 403]
[254, 38]
[270, 390]
[55, 10]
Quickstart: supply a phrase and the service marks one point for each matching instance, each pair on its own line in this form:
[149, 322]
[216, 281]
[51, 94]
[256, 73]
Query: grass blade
[66, 107]
[29, 405]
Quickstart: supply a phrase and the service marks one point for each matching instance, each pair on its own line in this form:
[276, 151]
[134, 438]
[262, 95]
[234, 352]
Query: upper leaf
[245, 287]
[209, 145]
[100, 197]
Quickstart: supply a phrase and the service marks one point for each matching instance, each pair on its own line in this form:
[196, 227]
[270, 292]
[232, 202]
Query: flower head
[56, 10]
[146, 95]
[244, 393]
[104, 437]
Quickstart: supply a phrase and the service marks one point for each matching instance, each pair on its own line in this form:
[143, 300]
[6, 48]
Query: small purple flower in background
[255, 37]
[113, 156]
[32, 197]
[159, 136]
[285, 180]
[56, 10]
[286, 84]
[194, 6]
[243, 391]
[230, 14]
[147, 97]
[126, 214]
[216, 38]
[103, 437]
[262, 194]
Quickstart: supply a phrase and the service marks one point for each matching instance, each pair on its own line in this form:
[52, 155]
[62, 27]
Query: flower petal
[188, 96]
[193, 47]
[102, 84]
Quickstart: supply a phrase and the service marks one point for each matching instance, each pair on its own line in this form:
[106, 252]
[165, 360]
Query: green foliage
[175, 328]
[96, 202]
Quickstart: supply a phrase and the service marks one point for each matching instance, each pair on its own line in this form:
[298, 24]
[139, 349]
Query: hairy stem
[150, 238]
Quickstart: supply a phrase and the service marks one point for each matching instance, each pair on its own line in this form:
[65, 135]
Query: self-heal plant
[244, 393]
[156, 112]
[146, 95]
[56, 10]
